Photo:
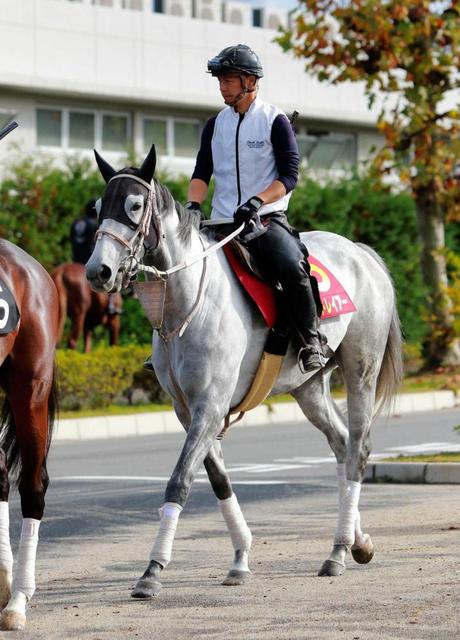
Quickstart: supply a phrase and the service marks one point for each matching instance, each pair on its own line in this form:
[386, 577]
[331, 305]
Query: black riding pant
[283, 258]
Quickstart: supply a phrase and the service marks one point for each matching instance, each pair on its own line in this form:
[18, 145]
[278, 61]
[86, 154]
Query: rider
[82, 234]
[251, 149]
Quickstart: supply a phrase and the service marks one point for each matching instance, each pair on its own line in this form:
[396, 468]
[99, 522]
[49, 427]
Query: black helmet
[239, 58]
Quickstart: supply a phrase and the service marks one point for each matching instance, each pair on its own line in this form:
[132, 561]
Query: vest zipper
[241, 116]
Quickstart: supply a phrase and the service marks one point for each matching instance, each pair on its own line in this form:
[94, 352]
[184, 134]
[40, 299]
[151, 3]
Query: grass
[447, 456]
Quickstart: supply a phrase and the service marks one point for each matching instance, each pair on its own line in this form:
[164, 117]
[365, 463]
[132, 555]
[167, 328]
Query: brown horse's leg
[87, 335]
[114, 329]
[6, 555]
[29, 405]
[77, 319]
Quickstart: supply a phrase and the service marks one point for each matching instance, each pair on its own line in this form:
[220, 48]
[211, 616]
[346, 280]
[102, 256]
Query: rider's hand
[191, 204]
[248, 211]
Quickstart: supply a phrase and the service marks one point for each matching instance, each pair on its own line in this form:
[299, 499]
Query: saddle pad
[262, 294]
[9, 312]
[334, 298]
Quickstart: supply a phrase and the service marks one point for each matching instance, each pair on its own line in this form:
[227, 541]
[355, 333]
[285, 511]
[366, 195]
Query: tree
[407, 53]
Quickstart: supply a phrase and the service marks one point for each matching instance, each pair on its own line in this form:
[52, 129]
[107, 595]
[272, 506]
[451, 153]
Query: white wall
[84, 50]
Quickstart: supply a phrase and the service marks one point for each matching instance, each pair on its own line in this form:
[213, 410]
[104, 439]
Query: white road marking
[427, 447]
[160, 479]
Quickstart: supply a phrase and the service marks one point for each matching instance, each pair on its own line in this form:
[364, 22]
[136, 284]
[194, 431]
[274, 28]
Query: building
[118, 75]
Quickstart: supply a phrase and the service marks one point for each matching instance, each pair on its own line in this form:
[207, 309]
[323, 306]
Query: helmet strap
[244, 90]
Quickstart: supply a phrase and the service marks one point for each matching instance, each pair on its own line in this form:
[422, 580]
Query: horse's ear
[105, 168]
[148, 166]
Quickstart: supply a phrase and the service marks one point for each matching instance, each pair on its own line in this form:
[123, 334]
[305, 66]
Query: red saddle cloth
[334, 298]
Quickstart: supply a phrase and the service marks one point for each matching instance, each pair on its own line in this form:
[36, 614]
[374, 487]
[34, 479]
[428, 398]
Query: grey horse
[210, 341]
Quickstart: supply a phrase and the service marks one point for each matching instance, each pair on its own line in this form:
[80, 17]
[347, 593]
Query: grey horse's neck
[181, 240]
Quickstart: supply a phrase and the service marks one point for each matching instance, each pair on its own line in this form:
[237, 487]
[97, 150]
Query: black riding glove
[191, 204]
[248, 215]
[194, 206]
[248, 211]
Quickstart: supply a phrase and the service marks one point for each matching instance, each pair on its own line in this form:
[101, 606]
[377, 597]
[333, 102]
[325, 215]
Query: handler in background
[82, 234]
[251, 149]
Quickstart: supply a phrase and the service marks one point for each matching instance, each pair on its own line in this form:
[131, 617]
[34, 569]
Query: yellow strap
[265, 378]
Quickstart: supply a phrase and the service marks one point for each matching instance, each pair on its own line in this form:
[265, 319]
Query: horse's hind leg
[315, 400]
[240, 533]
[6, 555]
[30, 411]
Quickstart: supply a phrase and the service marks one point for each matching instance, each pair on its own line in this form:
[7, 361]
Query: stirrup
[310, 358]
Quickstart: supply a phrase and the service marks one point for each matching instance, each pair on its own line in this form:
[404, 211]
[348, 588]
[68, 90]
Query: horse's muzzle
[101, 278]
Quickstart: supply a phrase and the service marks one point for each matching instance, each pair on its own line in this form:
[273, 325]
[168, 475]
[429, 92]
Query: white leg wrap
[345, 533]
[239, 531]
[6, 555]
[24, 576]
[162, 549]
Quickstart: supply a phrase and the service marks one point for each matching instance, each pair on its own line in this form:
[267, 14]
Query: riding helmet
[239, 58]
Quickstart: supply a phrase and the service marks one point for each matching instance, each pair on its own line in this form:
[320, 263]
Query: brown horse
[29, 329]
[85, 308]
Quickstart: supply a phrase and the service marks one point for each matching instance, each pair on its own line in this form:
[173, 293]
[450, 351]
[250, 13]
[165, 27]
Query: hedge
[105, 376]
[38, 203]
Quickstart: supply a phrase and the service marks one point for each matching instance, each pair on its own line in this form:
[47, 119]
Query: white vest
[243, 159]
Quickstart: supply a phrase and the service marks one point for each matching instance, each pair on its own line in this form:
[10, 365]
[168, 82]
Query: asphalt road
[100, 523]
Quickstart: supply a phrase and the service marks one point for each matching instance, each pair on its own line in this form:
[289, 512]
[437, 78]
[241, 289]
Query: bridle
[135, 244]
[131, 264]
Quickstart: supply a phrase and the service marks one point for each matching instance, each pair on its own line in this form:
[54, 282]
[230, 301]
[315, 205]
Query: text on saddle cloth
[9, 312]
[334, 298]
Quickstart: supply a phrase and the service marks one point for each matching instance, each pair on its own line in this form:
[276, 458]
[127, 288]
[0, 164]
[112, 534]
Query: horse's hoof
[12, 621]
[235, 577]
[331, 568]
[5, 587]
[146, 589]
[365, 552]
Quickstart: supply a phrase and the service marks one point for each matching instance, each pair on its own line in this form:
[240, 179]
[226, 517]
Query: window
[327, 149]
[49, 127]
[114, 132]
[81, 130]
[157, 6]
[136, 5]
[186, 138]
[155, 132]
[257, 17]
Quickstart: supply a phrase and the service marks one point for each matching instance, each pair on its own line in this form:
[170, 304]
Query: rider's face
[230, 87]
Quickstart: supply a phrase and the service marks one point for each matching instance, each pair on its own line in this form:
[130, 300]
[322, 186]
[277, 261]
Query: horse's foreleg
[240, 533]
[197, 445]
[6, 555]
[31, 419]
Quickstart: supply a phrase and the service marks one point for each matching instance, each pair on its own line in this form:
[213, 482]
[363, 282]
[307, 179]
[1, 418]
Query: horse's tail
[57, 276]
[8, 440]
[391, 372]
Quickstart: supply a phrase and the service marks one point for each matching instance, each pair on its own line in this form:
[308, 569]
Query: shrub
[94, 380]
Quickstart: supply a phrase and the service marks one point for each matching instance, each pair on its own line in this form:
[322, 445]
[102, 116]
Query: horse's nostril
[104, 273]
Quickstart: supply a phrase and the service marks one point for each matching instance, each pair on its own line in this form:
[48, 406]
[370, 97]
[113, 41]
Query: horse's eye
[136, 206]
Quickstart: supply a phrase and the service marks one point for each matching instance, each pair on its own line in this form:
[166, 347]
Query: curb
[161, 422]
[413, 472]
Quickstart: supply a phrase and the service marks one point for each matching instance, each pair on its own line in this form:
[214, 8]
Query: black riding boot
[307, 338]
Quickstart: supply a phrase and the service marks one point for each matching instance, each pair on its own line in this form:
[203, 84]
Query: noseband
[129, 266]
